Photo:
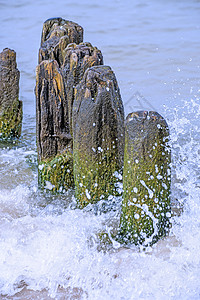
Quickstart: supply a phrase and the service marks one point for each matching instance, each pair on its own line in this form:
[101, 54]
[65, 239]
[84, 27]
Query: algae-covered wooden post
[98, 136]
[10, 106]
[54, 141]
[146, 208]
[53, 138]
[62, 64]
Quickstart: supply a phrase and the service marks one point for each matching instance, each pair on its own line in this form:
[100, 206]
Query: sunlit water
[48, 249]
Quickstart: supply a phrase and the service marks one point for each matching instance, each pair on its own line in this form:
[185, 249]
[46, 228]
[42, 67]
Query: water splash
[49, 248]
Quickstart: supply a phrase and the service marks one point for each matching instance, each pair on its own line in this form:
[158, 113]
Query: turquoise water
[48, 249]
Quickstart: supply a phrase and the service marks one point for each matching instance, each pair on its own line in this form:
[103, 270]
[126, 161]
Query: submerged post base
[61, 166]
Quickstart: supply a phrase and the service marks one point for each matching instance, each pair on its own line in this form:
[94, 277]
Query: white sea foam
[46, 245]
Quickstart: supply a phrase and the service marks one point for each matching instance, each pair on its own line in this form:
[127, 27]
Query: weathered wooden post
[53, 138]
[146, 208]
[54, 141]
[98, 136]
[78, 58]
[57, 33]
[61, 67]
[10, 106]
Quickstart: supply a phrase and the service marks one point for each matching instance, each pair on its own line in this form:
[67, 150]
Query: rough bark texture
[57, 33]
[53, 138]
[52, 111]
[98, 135]
[146, 179]
[78, 58]
[10, 106]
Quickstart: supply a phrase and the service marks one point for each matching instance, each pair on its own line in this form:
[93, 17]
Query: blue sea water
[47, 249]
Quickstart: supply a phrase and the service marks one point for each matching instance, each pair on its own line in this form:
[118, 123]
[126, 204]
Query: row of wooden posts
[83, 140]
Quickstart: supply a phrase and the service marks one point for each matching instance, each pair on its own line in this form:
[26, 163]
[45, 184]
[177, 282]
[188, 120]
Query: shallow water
[49, 250]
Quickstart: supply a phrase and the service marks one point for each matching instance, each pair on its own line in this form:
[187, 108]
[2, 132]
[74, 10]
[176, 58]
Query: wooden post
[53, 138]
[61, 67]
[98, 136]
[78, 58]
[57, 33]
[54, 141]
[10, 106]
[146, 208]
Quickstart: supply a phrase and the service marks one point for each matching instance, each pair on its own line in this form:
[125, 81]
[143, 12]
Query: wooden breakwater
[84, 142]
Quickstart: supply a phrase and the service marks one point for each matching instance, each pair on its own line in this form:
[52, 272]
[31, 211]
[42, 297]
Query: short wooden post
[146, 208]
[10, 106]
[98, 136]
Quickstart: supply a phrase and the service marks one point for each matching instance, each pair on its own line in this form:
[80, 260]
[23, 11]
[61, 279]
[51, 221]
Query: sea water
[49, 249]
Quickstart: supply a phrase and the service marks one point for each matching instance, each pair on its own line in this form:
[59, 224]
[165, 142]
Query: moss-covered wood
[98, 136]
[56, 174]
[63, 59]
[146, 208]
[10, 106]
[53, 137]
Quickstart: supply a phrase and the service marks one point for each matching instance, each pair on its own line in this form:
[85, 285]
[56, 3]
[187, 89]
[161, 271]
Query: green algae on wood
[98, 136]
[10, 106]
[56, 174]
[54, 142]
[146, 208]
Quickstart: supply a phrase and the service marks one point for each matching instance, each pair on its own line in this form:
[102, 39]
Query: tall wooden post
[62, 64]
[53, 138]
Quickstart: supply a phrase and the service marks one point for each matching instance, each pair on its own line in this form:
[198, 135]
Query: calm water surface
[48, 250]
